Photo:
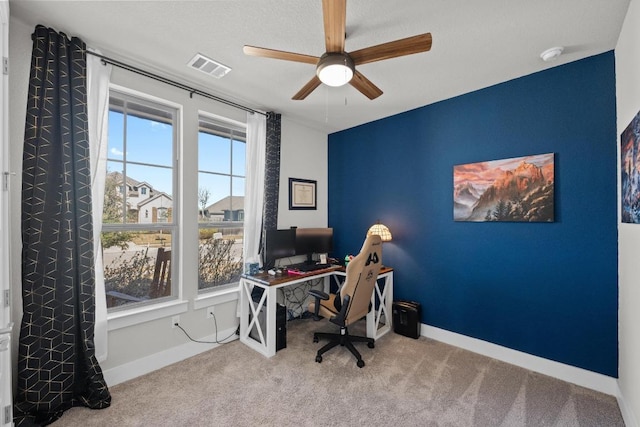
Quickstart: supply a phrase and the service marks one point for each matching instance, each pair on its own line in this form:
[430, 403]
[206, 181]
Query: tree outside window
[221, 177]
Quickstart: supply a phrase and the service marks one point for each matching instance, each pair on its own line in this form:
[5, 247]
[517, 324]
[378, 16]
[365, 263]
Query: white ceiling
[476, 43]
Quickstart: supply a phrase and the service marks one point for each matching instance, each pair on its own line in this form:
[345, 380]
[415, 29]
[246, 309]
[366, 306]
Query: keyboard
[312, 267]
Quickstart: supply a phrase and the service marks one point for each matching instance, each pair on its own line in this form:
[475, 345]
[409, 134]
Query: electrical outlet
[211, 311]
[175, 320]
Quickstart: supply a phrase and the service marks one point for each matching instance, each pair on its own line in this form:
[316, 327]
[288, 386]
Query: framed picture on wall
[302, 194]
[519, 189]
[630, 172]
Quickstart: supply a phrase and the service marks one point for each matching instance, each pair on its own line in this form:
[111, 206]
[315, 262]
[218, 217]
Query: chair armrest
[340, 318]
[319, 294]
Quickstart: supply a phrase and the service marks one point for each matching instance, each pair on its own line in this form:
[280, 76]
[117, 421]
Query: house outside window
[142, 148]
[221, 184]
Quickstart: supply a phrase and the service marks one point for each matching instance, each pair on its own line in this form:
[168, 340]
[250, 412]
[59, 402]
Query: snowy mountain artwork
[519, 189]
[630, 172]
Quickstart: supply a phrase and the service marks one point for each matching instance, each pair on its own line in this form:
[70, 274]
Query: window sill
[216, 297]
[126, 318]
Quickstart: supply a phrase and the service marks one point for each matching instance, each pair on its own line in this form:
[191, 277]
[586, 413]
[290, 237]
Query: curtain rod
[173, 83]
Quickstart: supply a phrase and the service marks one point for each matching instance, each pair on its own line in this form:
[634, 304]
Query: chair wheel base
[344, 340]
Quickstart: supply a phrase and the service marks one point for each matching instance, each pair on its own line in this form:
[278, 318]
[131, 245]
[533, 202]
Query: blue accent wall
[547, 289]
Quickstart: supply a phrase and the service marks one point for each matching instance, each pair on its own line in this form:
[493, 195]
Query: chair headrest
[370, 253]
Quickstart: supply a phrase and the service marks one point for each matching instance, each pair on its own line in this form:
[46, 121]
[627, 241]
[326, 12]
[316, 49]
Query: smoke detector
[208, 66]
[551, 54]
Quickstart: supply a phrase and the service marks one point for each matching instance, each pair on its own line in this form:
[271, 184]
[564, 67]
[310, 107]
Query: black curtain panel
[57, 367]
[271, 177]
[272, 172]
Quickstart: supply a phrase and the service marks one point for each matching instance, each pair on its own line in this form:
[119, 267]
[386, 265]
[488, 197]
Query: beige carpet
[405, 382]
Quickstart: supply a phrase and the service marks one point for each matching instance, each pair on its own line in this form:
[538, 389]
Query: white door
[6, 401]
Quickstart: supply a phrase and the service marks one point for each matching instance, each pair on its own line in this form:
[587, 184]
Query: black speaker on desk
[281, 325]
[406, 318]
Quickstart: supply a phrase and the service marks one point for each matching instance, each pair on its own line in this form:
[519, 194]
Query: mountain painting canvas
[630, 172]
[520, 189]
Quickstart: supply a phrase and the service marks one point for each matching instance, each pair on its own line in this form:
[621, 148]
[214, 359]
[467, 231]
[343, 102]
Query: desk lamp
[381, 230]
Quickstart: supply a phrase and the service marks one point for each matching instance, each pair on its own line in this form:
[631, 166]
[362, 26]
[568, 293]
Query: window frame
[135, 313]
[227, 128]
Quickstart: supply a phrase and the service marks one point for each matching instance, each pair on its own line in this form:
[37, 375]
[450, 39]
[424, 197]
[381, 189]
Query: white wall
[628, 104]
[133, 350]
[304, 155]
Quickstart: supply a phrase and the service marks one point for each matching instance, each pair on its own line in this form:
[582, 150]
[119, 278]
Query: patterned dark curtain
[272, 173]
[57, 367]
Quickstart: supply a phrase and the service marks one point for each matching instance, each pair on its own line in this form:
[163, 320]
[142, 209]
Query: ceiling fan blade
[365, 86]
[279, 54]
[335, 17]
[307, 89]
[394, 49]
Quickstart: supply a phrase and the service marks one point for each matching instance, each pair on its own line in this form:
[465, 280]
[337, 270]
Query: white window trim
[136, 315]
[215, 297]
[139, 314]
[222, 119]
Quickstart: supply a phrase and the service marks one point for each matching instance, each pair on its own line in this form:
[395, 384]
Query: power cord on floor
[216, 329]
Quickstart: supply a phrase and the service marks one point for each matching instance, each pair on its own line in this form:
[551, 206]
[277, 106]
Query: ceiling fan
[337, 67]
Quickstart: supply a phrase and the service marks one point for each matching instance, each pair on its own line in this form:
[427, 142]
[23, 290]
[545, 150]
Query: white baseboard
[627, 415]
[579, 376]
[164, 358]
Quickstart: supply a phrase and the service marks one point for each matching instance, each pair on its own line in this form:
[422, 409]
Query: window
[221, 183]
[138, 233]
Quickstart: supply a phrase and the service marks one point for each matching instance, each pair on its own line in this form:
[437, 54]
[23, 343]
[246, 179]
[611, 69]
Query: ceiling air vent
[208, 66]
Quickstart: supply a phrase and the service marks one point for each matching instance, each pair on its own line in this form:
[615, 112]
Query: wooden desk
[378, 318]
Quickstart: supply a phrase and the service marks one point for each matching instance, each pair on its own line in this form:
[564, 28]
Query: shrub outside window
[221, 183]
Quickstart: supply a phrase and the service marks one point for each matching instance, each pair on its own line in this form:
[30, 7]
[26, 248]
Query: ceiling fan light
[335, 69]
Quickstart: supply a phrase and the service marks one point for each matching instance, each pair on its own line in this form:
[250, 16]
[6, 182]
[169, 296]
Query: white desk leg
[384, 297]
[244, 310]
[372, 324]
[248, 307]
[388, 302]
[326, 283]
[271, 320]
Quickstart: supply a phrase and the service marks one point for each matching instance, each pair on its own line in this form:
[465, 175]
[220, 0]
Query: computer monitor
[311, 241]
[279, 244]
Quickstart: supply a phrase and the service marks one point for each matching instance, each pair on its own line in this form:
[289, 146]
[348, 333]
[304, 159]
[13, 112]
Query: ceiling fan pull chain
[326, 105]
